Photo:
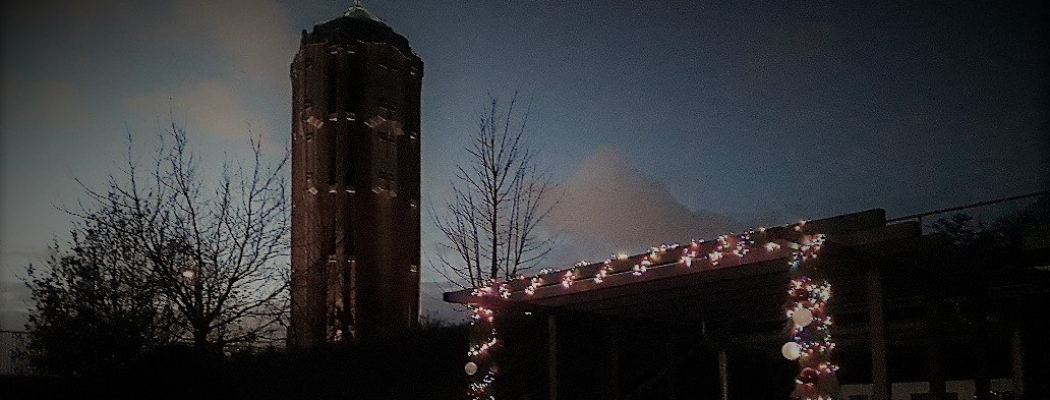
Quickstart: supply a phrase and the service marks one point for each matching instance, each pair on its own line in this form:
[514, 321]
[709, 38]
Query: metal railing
[985, 211]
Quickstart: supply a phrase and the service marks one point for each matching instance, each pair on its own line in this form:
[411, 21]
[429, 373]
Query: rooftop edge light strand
[808, 319]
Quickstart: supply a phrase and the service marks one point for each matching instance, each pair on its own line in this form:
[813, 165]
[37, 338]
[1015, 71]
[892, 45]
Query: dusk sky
[664, 120]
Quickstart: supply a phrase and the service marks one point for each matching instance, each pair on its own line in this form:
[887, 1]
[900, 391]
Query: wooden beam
[671, 352]
[552, 357]
[1017, 362]
[935, 338]
[904, 230]
[723, 373]
[881, 389]
[610, 374]
[857, 221]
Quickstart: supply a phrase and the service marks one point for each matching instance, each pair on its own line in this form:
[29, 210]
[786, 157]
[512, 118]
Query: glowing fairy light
[482, 348]
[714, 257]
[603, 272]
[807, 317]
[687, 260]
[534, 284]
[504, 291]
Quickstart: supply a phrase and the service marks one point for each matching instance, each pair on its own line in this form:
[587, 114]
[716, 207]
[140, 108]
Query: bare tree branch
[216, 258]
[498, 200]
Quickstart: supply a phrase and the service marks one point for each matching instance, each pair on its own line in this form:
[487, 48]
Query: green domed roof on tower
[356, 24]
[358, 12]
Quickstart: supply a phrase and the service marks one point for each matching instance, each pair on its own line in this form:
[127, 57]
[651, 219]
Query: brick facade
[355, 182]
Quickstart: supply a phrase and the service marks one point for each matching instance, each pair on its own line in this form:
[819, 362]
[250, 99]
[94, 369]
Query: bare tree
[213, 249]
[499, 198]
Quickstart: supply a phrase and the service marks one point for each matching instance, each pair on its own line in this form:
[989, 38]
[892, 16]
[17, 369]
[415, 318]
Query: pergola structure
[906, 306]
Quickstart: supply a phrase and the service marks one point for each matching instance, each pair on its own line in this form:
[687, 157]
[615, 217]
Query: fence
[13, 357]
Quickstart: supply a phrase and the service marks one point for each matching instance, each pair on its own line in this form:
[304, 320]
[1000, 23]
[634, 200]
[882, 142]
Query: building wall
[355, 190]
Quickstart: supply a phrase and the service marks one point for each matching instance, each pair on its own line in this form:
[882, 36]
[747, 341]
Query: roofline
[664, 258]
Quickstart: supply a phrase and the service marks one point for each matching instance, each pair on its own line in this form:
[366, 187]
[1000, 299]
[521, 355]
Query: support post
[611, 362]
[1017, 362]
[938, 374]
[672, 362]
[723, 373]
[935, 336]
[552, 357]
[877, 328]
[982, 380]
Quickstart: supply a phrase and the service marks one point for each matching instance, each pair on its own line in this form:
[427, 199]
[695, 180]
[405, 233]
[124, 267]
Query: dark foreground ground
[426, 364]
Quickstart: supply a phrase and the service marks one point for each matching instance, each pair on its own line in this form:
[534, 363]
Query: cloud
[208, 107]
[85, 14]
[606, 206]
[256, 36]
[32, 105]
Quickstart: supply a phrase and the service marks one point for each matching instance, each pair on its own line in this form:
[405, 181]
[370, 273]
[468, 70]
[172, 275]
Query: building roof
[357, 24]
[604, 284]
[748, 290]
[358, 12]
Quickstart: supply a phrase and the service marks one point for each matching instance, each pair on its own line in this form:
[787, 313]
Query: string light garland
[484, 340]
[808, 320]
[809, 325]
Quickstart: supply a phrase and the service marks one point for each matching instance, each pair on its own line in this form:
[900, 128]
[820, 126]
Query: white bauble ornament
[791, 351]
[470, 368]
[802, 317]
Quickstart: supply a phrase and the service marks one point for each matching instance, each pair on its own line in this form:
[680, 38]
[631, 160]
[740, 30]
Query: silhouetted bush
[425, 363]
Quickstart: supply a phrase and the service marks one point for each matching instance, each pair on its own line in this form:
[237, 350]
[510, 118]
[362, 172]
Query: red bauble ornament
[810, 392]
[809, 375]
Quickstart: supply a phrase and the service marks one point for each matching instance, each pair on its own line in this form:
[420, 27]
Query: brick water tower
[355, 181]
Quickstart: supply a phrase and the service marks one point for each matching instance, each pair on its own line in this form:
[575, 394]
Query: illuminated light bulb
[600, 276]
[566, 280]
[688, 261]
[714, 257]
[772, 246]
